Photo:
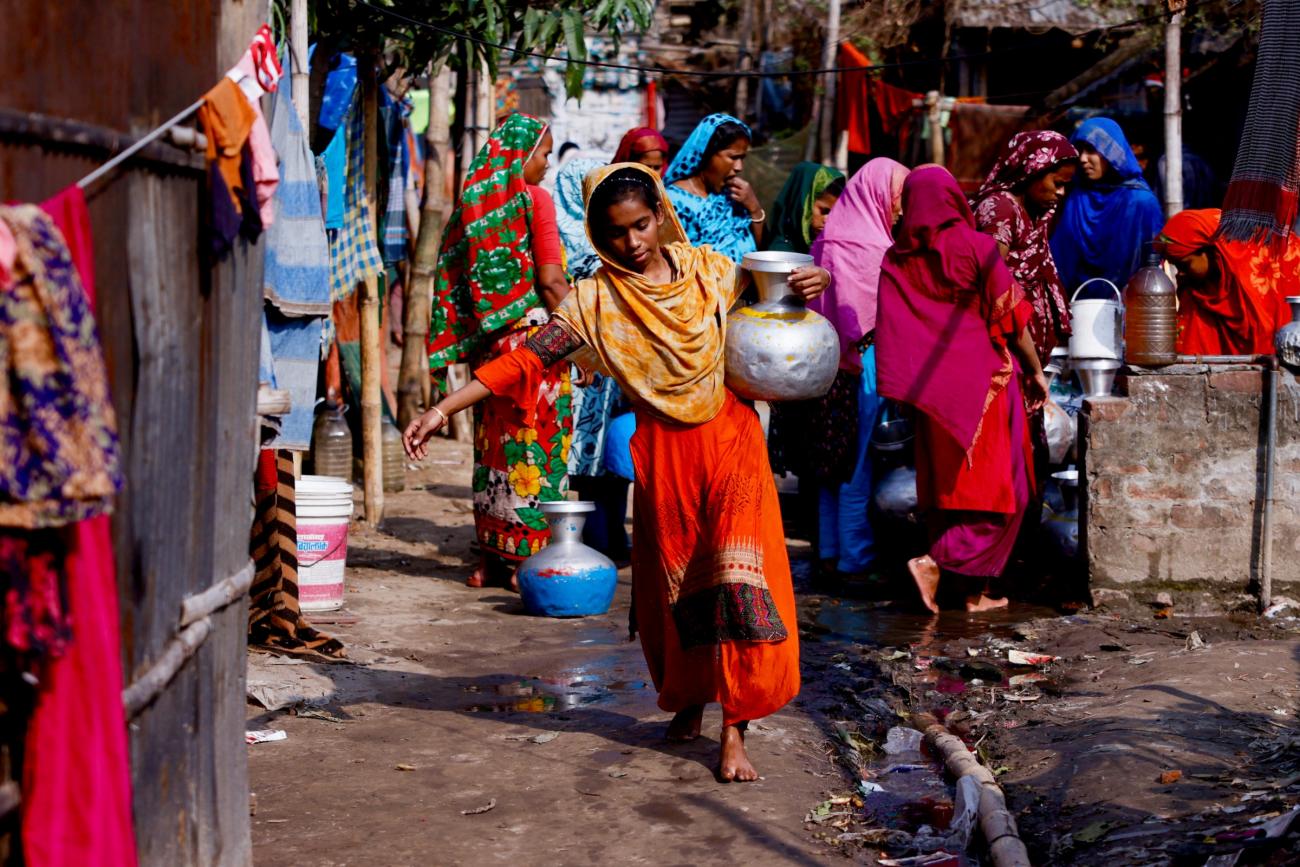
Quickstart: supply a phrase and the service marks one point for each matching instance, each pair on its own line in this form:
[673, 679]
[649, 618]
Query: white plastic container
[324, 505]
[1098, 324]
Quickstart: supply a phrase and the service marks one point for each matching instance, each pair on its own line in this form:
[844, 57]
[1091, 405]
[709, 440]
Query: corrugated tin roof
[1069, 15]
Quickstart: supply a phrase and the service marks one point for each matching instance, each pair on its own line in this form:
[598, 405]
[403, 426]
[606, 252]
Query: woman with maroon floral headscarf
[1017, 206]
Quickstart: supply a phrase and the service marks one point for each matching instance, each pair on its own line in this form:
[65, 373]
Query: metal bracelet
[760, 219]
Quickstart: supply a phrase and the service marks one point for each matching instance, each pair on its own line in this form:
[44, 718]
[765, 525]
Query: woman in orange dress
[712, 598]
[1231, 294]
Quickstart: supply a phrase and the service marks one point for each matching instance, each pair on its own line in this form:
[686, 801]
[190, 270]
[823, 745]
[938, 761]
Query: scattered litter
[966, 812]
[1019, 657]
[318, 713]
[1094, 832]
[275, 821]
[895, 656]
[1168, 778]
[404, 767]
[1163, 600]
[902, 740]
[1229, 860]
[904, 768]
[924, 664]
[1195, 641]
[1282, 824]
[825, 811]
[265, 736]
[479, 810]
[1138, 660]
[889, 837]
[1021, 696]
[1026, 679]
[285, 660]
[543, 738]
[1280, 604]
[934, 859]
[867, 787]
[618, 773]
[972, 651]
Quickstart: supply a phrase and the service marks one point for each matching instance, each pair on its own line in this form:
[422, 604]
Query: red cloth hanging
[854, 99]
[77, 806]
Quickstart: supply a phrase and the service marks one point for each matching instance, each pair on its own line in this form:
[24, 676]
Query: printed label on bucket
[317, 542]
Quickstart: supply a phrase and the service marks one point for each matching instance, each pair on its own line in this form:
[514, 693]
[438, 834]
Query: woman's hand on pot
[415, 441]
[809, 281]
[739, 191]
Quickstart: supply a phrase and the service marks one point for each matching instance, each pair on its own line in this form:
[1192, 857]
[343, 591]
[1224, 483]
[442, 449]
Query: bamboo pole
[301, 80]
[1174, 114]
[372, 449]
[998, 826]
[746, 58]
[413, 381]
[830, 54]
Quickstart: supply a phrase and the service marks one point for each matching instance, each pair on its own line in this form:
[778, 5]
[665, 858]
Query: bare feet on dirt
[479, 578]
[985, 603]
[925, 572]
[685, 726]
[734, 765]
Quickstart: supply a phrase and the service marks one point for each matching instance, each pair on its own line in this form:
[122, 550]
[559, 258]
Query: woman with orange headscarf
[712, 598]
[1231, 294]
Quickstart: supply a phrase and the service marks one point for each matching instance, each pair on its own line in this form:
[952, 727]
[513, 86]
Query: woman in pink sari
[952, 341]
[851, 247]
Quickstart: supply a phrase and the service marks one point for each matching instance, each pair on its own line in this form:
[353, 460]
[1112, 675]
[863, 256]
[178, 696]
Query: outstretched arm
[416, 438]
[515, 375]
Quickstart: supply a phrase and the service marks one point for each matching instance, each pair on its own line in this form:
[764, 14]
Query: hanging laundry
[275, 620]
[227, 118]
[76, 771]
[296, 277]
[59, 456]
[257, 74]
[59, 464]
[395, 230]
[334, 159]
[894, 108]
[854, 99]
[340, 87]
[354, 255]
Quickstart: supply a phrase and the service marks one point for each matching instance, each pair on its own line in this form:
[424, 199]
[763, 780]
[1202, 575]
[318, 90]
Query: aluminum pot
[778, 349]
[567, 578]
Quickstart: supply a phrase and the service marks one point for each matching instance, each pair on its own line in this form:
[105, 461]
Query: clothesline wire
[747, 73]
[153, 135]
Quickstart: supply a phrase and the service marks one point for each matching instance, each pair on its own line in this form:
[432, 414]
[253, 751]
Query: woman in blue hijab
[1109, 215]
[715, 204]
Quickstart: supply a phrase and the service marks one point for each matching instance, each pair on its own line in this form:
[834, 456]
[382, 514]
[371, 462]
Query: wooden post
[746, 58]
[934, 110]
[830, 51]
[413, 380]
[372, 450]
[1174, 111]
[298, 53]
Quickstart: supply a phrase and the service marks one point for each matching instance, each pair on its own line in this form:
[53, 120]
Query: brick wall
[1174, 478]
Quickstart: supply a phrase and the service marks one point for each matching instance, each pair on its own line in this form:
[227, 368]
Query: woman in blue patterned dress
[716, 205]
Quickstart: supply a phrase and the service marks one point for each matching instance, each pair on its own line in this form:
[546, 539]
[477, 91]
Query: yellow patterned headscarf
[663, 343]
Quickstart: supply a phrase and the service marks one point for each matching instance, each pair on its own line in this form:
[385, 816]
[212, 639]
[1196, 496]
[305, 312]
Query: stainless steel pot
[778, 349]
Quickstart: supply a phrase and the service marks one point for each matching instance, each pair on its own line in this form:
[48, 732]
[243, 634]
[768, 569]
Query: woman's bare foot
[685, 726]
[514, 580]
[733, 762]
[985, 603]
[479, 578]
[925, 572]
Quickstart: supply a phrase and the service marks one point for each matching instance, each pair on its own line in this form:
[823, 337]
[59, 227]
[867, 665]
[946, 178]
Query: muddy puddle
[592, 684]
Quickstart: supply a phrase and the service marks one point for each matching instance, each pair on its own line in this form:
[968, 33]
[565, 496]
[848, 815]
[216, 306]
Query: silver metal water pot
[778, 349]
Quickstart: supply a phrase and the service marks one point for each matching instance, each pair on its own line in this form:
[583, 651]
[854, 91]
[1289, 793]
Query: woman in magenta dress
[953, 342]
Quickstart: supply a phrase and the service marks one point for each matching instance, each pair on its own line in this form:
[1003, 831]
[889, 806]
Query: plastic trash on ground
[902, 740]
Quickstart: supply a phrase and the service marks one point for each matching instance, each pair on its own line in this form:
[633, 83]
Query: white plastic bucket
[1098, 324]
[324, 505]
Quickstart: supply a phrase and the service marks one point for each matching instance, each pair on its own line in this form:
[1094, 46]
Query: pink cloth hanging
[77, 805]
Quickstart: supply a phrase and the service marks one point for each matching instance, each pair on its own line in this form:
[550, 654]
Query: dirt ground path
[459, 700]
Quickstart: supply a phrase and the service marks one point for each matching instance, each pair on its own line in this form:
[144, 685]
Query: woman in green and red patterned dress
[500, 273]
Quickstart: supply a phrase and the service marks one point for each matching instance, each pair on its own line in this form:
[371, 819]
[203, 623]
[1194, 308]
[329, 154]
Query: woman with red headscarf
[644, 145]
[953, 342]
[1231, 294]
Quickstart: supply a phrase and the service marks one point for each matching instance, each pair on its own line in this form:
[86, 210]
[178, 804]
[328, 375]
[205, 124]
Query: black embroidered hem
[728, 612]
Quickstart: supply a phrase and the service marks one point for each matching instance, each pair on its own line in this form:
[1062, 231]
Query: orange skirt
[711, 591]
